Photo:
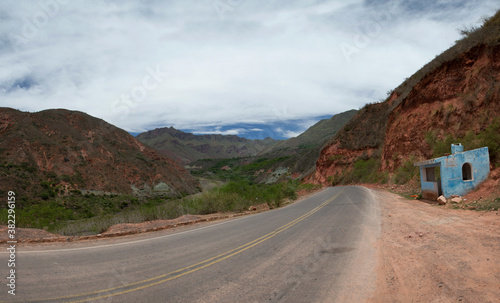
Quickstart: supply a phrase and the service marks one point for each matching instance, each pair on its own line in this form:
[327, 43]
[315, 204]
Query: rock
[441, 200]
[456, 200]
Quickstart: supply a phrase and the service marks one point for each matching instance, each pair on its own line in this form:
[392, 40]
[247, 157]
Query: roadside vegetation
[490, 137]
[88, 214]
[235, 169]
[491, 204]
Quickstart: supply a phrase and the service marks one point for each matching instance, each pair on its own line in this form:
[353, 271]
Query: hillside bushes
[91, 214]
[406, 172]
[238, 196]
[363, 171]
[489, 137]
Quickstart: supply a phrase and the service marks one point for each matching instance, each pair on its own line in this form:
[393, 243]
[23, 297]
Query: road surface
[320, 249]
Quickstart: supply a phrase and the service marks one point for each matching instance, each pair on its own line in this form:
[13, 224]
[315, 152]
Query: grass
[57, 211]
[79, 215]
[406, 172]
[363, 171]
[480, 205]
[489, 137]
[237, 171]
[308, 187]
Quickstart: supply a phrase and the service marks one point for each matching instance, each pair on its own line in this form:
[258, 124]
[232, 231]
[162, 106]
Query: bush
[90, 214]
[366, 171]
[406, 172]
[239, 195]
[489, 137]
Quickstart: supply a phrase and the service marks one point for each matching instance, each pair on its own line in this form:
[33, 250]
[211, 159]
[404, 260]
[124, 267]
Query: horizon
[255, 131]
[242, 130]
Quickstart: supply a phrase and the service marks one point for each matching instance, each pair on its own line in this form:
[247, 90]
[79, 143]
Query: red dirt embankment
[458, 97]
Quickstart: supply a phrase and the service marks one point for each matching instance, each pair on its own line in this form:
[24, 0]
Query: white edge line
[153, 238]
[123, 243]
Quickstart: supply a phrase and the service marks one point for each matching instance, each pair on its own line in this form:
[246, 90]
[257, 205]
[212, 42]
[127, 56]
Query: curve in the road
[120, 290]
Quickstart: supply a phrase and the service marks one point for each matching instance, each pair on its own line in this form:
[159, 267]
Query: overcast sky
[219, 65]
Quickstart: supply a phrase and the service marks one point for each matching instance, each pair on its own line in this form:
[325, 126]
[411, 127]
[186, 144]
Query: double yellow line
[189, 269]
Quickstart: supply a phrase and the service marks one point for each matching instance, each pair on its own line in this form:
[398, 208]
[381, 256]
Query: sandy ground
[429, 253]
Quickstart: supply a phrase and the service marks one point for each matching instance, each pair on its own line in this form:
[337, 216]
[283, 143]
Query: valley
[335, 212]
[70, 166]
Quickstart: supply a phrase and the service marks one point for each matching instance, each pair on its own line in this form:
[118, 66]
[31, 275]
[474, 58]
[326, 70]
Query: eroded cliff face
[361, 138]
[73, 150]
[461, 96]
[458, 97]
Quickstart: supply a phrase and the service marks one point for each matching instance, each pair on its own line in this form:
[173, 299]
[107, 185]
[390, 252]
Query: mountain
[61, 151]
[187, 147]
[299, 154]
[315, 135]
[294, 157]
[454, 98]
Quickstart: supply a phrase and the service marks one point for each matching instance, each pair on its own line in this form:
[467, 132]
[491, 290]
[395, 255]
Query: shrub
[405, 172]
[489, 137]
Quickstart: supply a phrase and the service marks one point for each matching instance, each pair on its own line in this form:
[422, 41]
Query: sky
[254, 68]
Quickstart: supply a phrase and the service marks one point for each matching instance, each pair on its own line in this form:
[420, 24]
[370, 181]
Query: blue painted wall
[452, 182]
[451, 171]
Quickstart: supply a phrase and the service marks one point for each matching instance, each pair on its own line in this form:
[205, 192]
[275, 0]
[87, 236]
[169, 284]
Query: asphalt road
[320, 249]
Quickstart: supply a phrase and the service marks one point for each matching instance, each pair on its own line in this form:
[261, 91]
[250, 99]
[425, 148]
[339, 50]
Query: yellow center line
[195, 267]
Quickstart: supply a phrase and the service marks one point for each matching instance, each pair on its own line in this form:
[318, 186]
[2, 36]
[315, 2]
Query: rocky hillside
[300, 153]
[295, 157]
[315, 135]
[187, 147]
[58, 151]
[454, 98]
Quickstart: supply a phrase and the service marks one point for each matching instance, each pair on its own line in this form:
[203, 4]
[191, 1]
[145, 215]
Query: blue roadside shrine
[455, 174]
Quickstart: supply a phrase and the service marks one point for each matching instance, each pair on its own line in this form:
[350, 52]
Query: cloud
[256, 62]
[218, 131]
[288, 133]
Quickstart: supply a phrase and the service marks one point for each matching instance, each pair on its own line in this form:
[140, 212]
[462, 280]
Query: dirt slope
[461, 96]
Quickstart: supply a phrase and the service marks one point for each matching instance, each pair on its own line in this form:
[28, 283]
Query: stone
[456, 200]
[441, 200]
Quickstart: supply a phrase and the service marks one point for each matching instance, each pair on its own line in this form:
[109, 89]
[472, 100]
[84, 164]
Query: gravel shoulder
[428, 253]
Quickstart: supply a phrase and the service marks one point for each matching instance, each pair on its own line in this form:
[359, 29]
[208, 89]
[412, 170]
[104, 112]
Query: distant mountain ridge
[303, 151]
[188, 147]
[317, 134]
[294, 157]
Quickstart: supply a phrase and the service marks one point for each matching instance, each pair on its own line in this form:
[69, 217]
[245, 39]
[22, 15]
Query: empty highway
[319, 249]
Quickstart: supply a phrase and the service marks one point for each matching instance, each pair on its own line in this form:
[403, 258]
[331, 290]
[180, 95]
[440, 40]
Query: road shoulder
[32, 236]
[429, 253]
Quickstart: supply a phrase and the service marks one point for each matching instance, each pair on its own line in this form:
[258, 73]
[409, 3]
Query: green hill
[316, 135]
[295, 157]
